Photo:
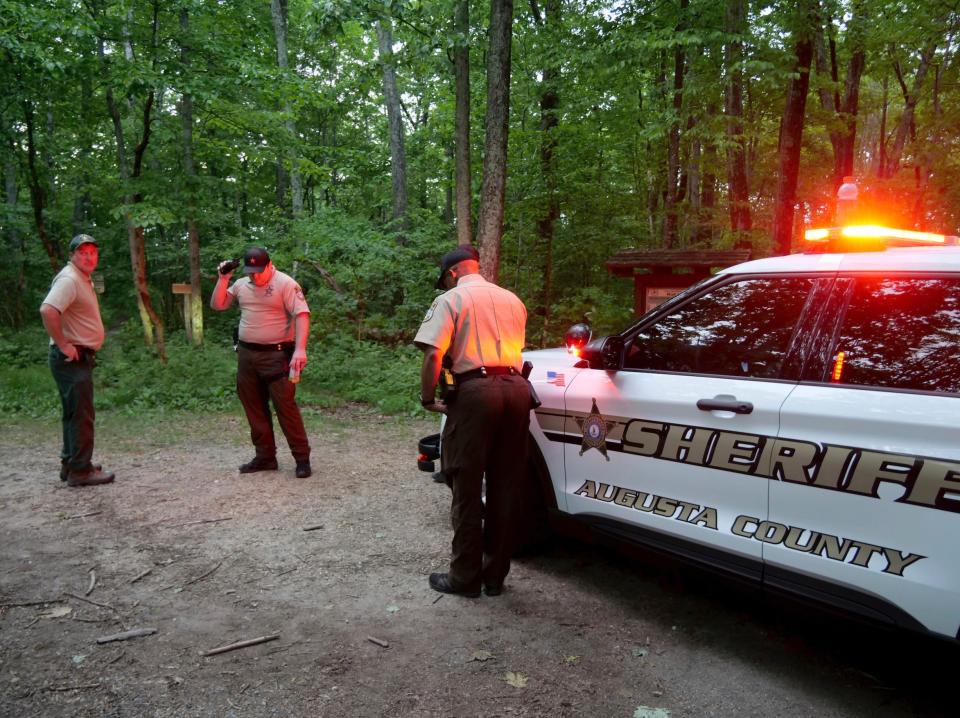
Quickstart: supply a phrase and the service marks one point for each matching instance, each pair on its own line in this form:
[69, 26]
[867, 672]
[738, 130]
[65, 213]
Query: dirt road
[336, 567]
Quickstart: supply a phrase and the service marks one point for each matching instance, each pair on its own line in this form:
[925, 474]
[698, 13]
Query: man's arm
[53, 323]
[301, 325]
[429, 375]
[221, 299]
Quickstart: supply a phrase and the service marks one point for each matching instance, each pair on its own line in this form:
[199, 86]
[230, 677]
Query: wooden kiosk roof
[626, 261]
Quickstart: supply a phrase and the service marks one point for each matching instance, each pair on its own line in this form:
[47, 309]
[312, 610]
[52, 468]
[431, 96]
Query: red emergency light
[870, 236]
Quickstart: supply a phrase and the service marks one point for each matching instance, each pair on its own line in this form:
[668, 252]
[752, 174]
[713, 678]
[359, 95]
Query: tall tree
[149, 317]
[791, 129]
[738, 191]
[280, 17]
[494, 186]
[842, 110]
[194, 325]
[549, 23]
[398, 153]
[673, 135]
[461, 134]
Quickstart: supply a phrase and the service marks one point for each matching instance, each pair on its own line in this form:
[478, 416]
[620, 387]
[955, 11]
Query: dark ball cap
[81, 239]
[454, 257]
[255, 260]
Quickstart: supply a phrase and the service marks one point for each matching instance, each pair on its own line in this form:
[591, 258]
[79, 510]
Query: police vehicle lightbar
[871, 234]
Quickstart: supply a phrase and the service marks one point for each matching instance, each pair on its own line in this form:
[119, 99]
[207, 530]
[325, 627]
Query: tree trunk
[845, 109]
[673, 139]
[398, 155]
[738, 191]
[37, 192]
[194, 325]
[461, 72]
[151, 321]
[910, 99]
[14, 239]
[549, 104]
[494, 186]
[791, 134]
[278, 12]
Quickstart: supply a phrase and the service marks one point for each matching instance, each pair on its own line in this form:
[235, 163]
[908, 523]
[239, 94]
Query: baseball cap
[255, 260]
[455, 256]
[81, 239]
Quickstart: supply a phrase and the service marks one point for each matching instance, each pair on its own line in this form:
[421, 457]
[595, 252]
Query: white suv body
[792, 420]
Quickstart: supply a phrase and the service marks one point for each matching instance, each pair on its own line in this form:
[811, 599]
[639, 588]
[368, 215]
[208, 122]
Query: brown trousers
[485, 434]
[262, 379]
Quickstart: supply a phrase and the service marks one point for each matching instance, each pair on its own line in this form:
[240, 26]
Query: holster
[525, 373]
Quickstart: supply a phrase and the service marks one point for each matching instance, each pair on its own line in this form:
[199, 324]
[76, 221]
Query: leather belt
[483, 372]
[278, 347]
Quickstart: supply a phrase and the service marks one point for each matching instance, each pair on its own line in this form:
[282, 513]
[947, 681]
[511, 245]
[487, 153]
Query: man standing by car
[274, 326]
[481, 326]
[71, 316]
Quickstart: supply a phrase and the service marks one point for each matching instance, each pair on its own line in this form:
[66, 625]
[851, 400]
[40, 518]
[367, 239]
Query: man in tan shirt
[274, 328]
[71, 316]
[481, 327]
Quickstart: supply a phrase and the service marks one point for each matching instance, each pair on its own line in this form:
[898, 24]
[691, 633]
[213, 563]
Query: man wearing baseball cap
[274, 326]
[71, 316]
[481, 328]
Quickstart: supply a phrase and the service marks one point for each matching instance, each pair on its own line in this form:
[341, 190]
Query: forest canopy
[358, 140]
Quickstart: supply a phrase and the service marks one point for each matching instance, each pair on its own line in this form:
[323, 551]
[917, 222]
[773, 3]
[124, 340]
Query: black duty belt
[278, 347]
[484, 371]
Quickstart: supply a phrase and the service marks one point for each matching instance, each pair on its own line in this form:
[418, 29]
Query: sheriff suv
[792, 420]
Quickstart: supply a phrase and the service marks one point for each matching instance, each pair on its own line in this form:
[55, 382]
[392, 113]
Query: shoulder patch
[429, 315]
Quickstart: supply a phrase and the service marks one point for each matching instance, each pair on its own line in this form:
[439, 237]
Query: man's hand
[438, 406]
[299, 360]
[69, 351]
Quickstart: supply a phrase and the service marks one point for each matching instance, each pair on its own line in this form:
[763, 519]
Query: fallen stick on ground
[141, 575]
[19, 604]
[200, 578]
[203, 521]
[87, 600]
[241, 644]
[127, 635]
[83, 516]
[378, 641]
[313, 528]
[93, 583]
[84, 687]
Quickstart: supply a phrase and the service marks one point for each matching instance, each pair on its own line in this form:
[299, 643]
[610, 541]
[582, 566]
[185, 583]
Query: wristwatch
[426, 402]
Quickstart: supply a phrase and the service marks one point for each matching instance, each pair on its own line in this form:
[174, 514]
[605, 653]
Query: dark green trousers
[486, 435]
[75, 384]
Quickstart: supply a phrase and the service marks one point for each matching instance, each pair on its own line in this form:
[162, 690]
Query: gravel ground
[336, 568]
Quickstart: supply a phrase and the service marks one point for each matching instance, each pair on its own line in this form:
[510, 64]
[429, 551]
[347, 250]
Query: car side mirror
[602, 353]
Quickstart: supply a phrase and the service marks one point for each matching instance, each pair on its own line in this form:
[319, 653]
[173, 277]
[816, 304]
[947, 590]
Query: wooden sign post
[185, 290]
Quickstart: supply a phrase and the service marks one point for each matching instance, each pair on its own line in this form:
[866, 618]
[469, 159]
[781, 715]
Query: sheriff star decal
[595, 429]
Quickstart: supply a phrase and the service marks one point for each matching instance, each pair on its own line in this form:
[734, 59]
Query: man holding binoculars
[274, 326]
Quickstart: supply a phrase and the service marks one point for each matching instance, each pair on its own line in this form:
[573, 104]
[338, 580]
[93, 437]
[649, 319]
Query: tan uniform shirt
[73, 295]
[267, 313]
[477, 323]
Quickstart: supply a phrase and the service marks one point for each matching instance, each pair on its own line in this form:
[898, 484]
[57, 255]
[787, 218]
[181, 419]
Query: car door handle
[737, 407]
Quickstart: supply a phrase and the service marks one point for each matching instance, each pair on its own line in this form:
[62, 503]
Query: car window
[900, 333]
[742, 328]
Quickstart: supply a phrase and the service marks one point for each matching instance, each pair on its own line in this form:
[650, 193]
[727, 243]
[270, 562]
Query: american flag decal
[555, 378]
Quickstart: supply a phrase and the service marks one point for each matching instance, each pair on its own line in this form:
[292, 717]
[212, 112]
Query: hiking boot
[65, 469]
[303, 469]
[258, 464]
[91, 477]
